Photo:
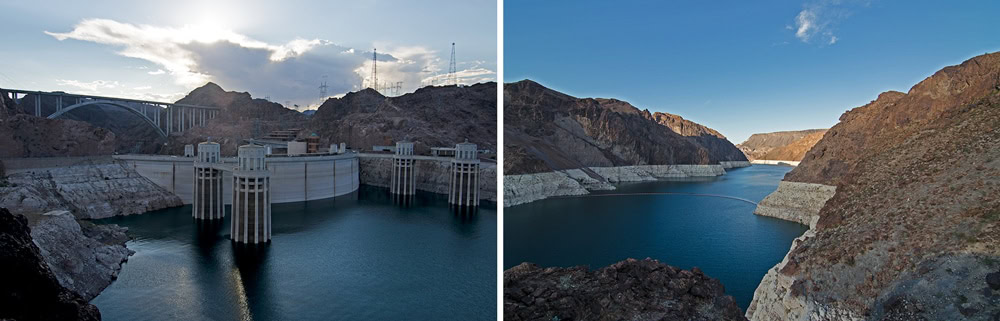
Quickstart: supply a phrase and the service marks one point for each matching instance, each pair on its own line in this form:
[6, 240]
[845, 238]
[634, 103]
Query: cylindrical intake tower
[251, 221]
[403, 182]
[465, 175]
[207, 200]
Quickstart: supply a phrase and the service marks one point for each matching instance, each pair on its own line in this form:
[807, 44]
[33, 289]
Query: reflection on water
[680, 227]
[361, 256]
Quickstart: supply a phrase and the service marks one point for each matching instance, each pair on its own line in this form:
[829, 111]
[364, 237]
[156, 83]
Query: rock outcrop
[913, 230]
[431, 175]
[786, 145]
[23, 135]
[239, 118]
[433, 116]
[796, 202]
[84, 257]
[29, 290]
[545, 130]
[627, 290]
[90, 188]
[526, 188]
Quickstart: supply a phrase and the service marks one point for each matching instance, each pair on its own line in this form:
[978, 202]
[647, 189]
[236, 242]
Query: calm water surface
[722, 236]
[356, 257]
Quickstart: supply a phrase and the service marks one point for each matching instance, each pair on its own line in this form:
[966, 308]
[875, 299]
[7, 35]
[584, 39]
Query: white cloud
[194, 55]
[90, 86]
[819, 19]
[805, 23]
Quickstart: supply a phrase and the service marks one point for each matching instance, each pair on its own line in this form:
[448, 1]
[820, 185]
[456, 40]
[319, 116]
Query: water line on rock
[659, 193]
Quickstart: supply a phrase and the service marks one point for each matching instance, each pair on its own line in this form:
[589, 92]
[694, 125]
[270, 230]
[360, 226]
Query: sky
[743, 67]
[161, 50]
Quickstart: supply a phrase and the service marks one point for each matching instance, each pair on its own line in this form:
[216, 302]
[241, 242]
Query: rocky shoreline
[627, 290]
[90, 188]
[30, 290]
[796, 202]
[527, 188]
[84, 257]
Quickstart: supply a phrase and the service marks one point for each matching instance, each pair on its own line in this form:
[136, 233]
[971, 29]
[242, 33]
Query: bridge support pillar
[465, 176]
[403, 179]
[251, 221]
[208, 197]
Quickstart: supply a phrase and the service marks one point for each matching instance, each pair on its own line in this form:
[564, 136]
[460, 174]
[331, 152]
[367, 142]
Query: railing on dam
[293, 179]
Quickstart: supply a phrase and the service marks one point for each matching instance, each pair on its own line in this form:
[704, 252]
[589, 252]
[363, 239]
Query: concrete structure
[293, 179]
[403, 182]
[312, 144]
[334, 149]
[465, 176]
[208, 200]
[442, 151]
[188, 150]
[343, 148]
[251, 221]
[296, 148]
[179, 117]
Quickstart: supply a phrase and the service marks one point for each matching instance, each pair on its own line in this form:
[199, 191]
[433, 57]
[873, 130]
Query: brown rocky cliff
[627, 290]
[547, 130]
[23, 135]
[913, 230]
[235, 121]
[892, 117]
[433, 116]
[786, 145]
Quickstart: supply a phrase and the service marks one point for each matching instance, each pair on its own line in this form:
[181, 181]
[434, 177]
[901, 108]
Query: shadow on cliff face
[29, 290]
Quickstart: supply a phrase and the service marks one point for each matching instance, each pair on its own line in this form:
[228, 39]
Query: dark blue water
[721, 236]
[356, 257]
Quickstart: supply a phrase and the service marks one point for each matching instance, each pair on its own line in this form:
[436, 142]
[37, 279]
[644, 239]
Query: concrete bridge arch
[112, 103]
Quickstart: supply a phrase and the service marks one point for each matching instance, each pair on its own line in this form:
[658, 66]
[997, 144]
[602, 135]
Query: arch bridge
[178, 117]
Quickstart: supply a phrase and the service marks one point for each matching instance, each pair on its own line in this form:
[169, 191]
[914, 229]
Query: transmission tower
[374, 82]
[322, 89]
[451, 67]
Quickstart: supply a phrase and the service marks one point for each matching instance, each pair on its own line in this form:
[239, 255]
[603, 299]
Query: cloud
[292, 71]
[90, 86]
[805, 23]
[818, 20]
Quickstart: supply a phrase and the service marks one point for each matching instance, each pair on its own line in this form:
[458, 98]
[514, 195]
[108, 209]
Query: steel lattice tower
[451, 67]
[322, 90]
[374, 83]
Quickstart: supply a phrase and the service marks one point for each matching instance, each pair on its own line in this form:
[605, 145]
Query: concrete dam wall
[433, 174]
[293, 179]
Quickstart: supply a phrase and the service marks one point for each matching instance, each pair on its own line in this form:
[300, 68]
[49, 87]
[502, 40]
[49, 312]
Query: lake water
[721, 236]
[355, 257]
